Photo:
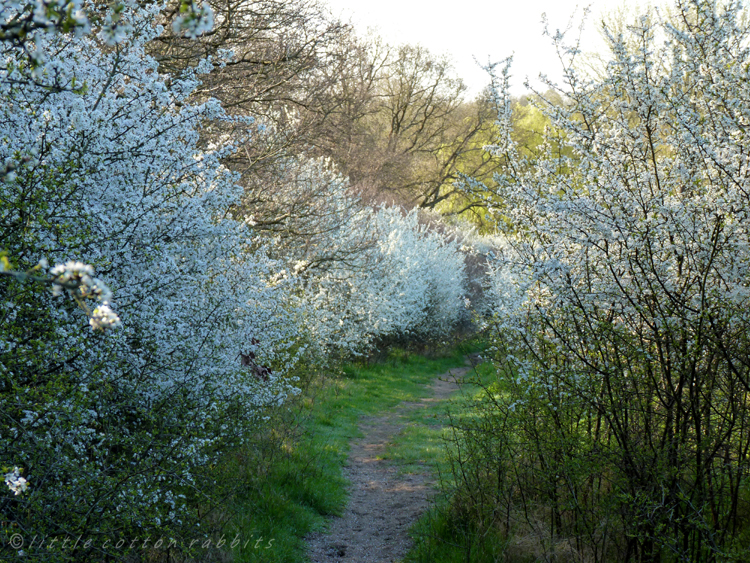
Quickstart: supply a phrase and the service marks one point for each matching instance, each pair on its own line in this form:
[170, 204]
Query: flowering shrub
[102, 164]
[622, 315]
[361, 274]
[409, 283]
[22, 21]
[423, 280]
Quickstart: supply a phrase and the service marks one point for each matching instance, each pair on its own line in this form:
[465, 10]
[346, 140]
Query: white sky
[483, 30]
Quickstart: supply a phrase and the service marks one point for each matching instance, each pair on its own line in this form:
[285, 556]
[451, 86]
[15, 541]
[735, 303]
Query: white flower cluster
[194, 19]
[20, 20]
[78, 276]
[15, 482]
[45, 15]
[78, 279]
[103, 318]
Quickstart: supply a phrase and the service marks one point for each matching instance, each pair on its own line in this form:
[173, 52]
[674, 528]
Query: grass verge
[281, 487]
[446, 533]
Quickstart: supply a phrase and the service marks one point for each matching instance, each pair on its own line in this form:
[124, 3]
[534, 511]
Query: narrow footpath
[383, 505]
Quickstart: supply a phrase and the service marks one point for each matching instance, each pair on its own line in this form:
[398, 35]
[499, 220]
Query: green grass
[424, 439]
[441, 537]
[282, 486]
[446, 533]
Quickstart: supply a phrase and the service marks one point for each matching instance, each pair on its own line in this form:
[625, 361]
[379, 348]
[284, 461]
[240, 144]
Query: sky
[485, 31]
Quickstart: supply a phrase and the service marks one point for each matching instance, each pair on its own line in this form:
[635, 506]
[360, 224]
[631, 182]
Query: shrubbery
[619, 428]
[409, 283]
[104, 163]
[111, 429]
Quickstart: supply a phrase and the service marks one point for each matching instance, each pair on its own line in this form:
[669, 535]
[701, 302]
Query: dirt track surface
[382, 504]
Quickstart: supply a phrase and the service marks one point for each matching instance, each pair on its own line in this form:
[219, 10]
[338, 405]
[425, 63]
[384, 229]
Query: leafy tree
[404, 131]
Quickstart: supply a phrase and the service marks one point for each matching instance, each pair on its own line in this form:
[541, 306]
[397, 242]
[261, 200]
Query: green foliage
[472, 192]
[447, 535]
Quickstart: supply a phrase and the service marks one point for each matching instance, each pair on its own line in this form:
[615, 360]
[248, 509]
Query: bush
[102, 164]
[619, 427]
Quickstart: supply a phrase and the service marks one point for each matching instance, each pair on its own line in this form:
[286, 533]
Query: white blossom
[103, 318]
[15, 482]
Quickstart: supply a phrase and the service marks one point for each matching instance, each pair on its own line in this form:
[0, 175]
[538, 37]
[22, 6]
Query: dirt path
[382, 504]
